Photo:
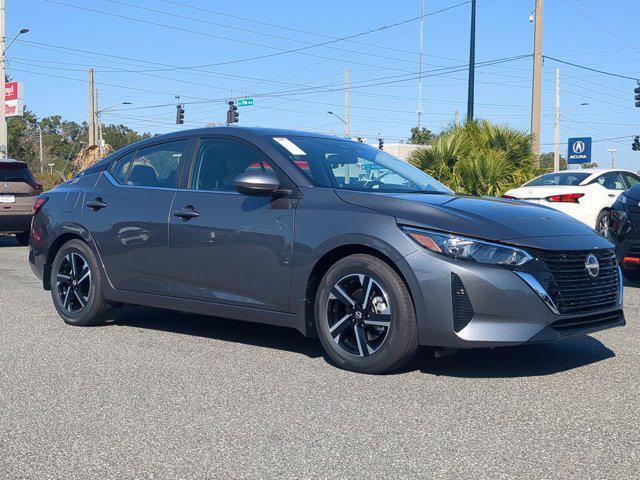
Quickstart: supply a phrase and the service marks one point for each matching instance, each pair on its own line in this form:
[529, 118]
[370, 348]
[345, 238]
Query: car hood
[495, 219]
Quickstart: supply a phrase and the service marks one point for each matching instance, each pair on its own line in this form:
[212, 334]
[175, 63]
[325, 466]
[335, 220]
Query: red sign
[11, 91]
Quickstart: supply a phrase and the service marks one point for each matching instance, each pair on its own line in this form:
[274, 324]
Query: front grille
[572, 289]
[462, 308]
[591, 321]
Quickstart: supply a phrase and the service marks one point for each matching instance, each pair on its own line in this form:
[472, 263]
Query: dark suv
[18, 191]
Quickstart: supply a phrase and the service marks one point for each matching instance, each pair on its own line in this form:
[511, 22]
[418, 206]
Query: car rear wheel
[76, 285]
[23, 238]
[365, 317]
[602, 223]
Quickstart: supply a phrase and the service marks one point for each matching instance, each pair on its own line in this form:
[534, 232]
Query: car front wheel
[365, 317]
[76, 285]
[602, 223]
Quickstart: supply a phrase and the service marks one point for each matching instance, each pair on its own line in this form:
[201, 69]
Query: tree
[22, 138]
[546, 161]
[119, 136]
[479, 158]
[421, 136]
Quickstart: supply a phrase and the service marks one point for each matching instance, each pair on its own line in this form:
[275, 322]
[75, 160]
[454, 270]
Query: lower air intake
[462, 309]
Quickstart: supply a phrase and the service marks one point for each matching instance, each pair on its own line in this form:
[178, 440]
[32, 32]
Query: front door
[227, 247]
[127, 214]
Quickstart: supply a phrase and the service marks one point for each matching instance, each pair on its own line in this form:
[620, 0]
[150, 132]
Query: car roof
[222, 130]
[11, 163]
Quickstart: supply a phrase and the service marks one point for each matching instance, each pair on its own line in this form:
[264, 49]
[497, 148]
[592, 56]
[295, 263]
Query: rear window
[553, 179]
[18, 173]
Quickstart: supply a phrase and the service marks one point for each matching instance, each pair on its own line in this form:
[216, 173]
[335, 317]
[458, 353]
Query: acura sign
[579, 150]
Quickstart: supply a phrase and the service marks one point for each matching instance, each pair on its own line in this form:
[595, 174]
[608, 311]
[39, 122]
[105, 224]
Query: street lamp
[21, 32]
[337, 116]
[556, 152]
[613, 151]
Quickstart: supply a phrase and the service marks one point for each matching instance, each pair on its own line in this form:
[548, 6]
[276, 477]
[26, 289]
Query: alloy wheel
[603, 226]
[359, 314]
[73, 282]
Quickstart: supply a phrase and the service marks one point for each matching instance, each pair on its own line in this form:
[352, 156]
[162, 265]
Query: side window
[157, 166]
[220, 161]
[611, 181]
[120, 168]
[631, 179]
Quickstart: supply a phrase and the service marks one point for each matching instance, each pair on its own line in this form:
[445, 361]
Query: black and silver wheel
[365, 316]
[76, 285]
[602, 223]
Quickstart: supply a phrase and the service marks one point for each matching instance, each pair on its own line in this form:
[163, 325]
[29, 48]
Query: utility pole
[3, 118]
[419, 112]
[613, 151]
[556, 145]
[472, 63]
[92, 112]
[536, 97]
[41, 157]
[455, 118]
[99, 125]
[347, 108]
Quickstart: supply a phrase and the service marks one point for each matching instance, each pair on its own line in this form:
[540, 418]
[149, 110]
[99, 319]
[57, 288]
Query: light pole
[556, 156]
[3, 51]
[472, 63]
[99, 115]
[337, 116]
[613, 151]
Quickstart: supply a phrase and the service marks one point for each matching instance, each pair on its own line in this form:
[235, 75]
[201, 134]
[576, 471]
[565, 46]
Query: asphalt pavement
[164, 395]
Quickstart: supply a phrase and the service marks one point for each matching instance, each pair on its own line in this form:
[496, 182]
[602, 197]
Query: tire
[602, 223]
[23, 238]
[78, 297]
[347, 335]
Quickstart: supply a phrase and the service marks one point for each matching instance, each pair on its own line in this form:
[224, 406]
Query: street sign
[245, 102]
[13, 97]
[579, 150]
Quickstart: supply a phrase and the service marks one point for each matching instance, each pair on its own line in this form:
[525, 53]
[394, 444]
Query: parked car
[329, 236]
[624, 231]
[18, 191]
[584, 194]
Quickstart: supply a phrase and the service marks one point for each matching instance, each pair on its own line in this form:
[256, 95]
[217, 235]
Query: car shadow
[520, 361]
[631, 283]
[256, 334]
[504, 362]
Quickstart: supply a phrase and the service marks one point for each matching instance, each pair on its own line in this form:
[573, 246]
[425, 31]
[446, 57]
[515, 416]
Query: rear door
[232, 249]
[127, 215]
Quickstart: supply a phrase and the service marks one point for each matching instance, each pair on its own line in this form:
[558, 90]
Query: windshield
[18, 173]
[554, 179]
[349, 165]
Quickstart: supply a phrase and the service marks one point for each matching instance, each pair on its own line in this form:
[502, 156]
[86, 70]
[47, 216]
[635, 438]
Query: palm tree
[479, 158]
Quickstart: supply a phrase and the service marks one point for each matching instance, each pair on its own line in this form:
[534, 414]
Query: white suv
[585, 194]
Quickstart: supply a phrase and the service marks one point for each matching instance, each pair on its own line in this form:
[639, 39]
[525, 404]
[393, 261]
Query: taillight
[39, 203]
[566, 198]
[509, 197]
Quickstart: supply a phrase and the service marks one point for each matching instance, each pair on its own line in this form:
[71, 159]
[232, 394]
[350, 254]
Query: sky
[291, 58]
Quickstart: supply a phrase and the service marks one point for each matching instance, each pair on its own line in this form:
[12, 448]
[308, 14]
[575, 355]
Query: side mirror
[257, 183]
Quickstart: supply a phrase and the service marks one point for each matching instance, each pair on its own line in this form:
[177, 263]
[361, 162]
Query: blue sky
[139, 49]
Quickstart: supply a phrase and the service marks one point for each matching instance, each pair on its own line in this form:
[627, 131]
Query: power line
[603, 72]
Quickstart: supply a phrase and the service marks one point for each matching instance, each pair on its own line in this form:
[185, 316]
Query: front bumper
[507, 309]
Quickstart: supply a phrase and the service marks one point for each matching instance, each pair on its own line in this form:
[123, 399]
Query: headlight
[470, 249]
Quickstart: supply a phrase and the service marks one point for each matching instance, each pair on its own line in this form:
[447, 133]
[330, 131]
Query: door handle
[612, 195]
[186, 213]
[96, 204]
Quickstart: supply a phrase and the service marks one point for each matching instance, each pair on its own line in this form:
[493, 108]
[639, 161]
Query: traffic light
[179, 114]
[635, 146]
[232, 113]
[637, 97]
[381, 144]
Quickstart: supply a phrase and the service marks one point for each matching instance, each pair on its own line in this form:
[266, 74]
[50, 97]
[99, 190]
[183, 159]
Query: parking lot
[165, 395]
